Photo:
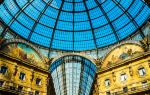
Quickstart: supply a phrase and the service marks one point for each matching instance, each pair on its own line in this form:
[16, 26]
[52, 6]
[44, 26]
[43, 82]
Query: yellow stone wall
[28, 84]
[116, 84]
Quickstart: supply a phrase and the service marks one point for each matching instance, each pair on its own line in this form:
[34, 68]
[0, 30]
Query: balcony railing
[12, 88]
[133, 90]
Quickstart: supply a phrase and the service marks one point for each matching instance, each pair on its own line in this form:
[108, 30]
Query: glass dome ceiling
[74, 24]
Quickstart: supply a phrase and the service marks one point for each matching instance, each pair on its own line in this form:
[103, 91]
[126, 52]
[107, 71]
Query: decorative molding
[130, 71]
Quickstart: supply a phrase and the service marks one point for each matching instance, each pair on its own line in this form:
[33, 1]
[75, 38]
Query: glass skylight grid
[74, 25]
[73, 75]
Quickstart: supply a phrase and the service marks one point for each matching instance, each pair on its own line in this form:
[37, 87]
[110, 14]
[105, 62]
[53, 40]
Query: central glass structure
[74, 25]
[73, 75]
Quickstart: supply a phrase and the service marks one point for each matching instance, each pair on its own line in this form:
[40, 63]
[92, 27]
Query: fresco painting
[23, 52]
[121, 53]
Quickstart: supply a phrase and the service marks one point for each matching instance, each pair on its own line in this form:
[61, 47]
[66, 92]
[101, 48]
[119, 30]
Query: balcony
[14, 89]
[133, 90]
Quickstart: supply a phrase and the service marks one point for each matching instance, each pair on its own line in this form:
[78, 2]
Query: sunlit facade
[74, 47]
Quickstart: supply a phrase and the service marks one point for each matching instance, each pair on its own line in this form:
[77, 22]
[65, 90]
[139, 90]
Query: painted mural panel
[23, 52]
[121, 53]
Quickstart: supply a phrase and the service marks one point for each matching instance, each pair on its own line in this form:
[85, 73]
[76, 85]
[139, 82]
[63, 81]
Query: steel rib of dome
[74, 25]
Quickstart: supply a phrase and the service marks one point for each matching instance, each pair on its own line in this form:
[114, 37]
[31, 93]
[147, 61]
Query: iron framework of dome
[74, 25]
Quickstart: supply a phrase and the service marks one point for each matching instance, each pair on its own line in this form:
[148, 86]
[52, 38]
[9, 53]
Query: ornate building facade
[74, 47]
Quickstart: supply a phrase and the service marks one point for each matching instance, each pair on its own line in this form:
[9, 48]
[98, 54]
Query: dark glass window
[125, 89]
[144, 84]
[133, 88]
[30, 93]
[107, 82]
[37, 93]
[108, 93]
[142, 71]
[123, 77]
[38, 81]
[3, 70]
[22, 76]
[20, 88]
[1, 83]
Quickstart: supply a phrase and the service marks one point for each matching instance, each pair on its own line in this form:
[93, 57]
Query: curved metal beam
[39, 17]
[106, 16]
[55, 27]
[91, 26]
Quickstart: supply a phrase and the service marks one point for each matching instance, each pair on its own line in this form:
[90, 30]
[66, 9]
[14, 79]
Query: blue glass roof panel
[63, 45]
[67, 7]
[25, 20]
[46, 31]
[95, 13]
[36, 38]
[5, 15]
[63, 16]
[126, 3]
[106, 30]
[21, 3]
[32, 12]
[91, 4]
[85, 35]
[65, 25]
[63, 35]
[143, 15]
[12, 7]
[51, 12]
[82, 16]
[20, 29]
[122, 33]
[109, 39]
[108, 5]
[121, 22]
[56, 4]
[80, 26]
[79, 7]
[137, 6]
[47, 21]
[81, 45]
[115, 13]
[100, 21]
[39, 4]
